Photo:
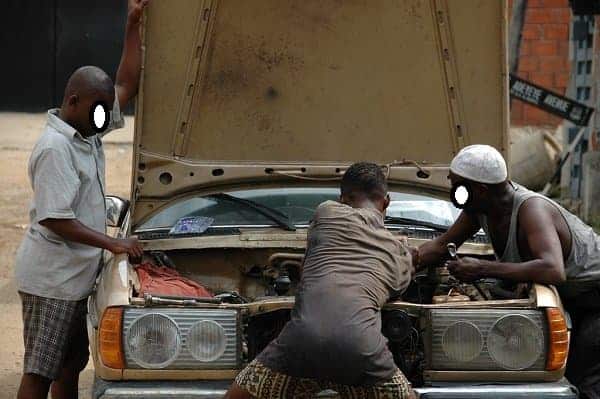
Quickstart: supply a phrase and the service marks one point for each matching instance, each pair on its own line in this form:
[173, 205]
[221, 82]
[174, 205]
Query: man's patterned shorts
[55, 335]
[264, 383]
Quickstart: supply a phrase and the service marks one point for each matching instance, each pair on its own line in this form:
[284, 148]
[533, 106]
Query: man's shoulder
[331, 208]
[537, 212]
[51, 144]
[52, 139]
[536, 204]
[329, 204]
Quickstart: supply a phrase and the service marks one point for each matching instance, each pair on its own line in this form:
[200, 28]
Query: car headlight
[462, 341]
[515, 342]
[206, 341]
[153, 340]
[487, 339]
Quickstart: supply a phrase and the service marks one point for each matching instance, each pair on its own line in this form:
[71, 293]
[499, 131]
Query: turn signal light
[110, 338]
[558, 339]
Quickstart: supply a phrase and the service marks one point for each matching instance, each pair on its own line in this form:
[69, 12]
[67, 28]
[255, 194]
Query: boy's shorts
[264, 383]
[55, 335]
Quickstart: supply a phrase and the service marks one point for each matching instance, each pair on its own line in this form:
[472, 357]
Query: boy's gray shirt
[352, 266]
[66, 171]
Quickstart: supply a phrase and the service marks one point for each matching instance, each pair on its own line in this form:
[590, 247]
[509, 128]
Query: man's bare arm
[435, 251]
[128, 74]
[74, 230]
[547, 265]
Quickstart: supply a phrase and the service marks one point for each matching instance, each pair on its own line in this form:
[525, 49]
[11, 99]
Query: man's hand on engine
[466, 269]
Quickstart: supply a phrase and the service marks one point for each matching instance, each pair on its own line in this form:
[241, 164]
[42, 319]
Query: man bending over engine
[535, 240]
[352, 267]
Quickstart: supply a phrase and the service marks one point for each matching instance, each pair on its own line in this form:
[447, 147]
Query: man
[535, 240]
[352, 266]
[59, 258]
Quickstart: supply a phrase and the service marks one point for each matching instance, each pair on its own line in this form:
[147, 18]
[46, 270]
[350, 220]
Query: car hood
[234, 93]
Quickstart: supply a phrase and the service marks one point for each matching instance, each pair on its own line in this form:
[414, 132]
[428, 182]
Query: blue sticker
[191, 225]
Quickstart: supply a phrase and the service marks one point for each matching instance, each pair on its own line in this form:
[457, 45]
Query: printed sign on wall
[554, 103]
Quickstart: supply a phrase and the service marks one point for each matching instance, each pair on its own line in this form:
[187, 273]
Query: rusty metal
[298, 86]
[195, 75]
[459, 128]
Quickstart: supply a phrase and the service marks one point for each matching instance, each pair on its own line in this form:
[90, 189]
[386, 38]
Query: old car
[247, 117]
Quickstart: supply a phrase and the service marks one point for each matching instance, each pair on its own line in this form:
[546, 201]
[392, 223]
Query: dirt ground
[19, 132]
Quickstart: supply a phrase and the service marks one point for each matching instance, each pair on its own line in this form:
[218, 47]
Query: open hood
[233, 91]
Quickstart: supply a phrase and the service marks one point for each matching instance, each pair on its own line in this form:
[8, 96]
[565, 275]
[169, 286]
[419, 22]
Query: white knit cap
[480, 163]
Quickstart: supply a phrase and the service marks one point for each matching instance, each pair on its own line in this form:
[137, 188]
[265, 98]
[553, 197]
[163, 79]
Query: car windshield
[297, 205]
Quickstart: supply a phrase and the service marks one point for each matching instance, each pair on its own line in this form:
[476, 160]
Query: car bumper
[548, 390]
[159, 389]
[217, 389]
[167, 389]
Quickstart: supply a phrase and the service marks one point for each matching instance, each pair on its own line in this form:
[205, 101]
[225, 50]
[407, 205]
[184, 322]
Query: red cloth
[158, 280]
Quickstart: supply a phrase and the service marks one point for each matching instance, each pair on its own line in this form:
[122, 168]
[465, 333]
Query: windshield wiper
[276, 216]
[416, 222]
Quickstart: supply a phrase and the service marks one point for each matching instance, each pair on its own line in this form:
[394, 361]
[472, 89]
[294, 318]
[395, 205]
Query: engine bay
[250, 275]
[242, 276]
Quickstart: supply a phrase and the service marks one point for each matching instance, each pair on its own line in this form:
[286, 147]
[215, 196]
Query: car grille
[185, 319]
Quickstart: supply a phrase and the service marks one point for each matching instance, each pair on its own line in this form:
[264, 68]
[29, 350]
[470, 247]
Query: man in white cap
[535, 240]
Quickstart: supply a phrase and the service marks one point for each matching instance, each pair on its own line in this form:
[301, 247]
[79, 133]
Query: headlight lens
[462, 341]
[206, 341]
[515, 342]
[153, 340]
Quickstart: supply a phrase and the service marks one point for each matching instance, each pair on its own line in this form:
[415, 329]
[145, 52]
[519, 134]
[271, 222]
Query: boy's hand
[414, 253]
[135, 8]
[129, 246]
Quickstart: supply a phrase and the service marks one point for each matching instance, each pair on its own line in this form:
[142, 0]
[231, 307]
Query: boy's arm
[74, 230]
[128, 74]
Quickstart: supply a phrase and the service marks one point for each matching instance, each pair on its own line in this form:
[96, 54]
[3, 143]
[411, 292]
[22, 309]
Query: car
[247, 117]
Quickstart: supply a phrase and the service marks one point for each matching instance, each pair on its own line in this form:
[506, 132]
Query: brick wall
[543, 57]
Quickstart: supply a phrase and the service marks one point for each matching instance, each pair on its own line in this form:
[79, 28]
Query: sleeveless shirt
[582, 266]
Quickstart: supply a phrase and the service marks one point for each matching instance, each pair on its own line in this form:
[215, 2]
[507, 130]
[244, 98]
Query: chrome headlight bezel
[439, 320]
[185, 318]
